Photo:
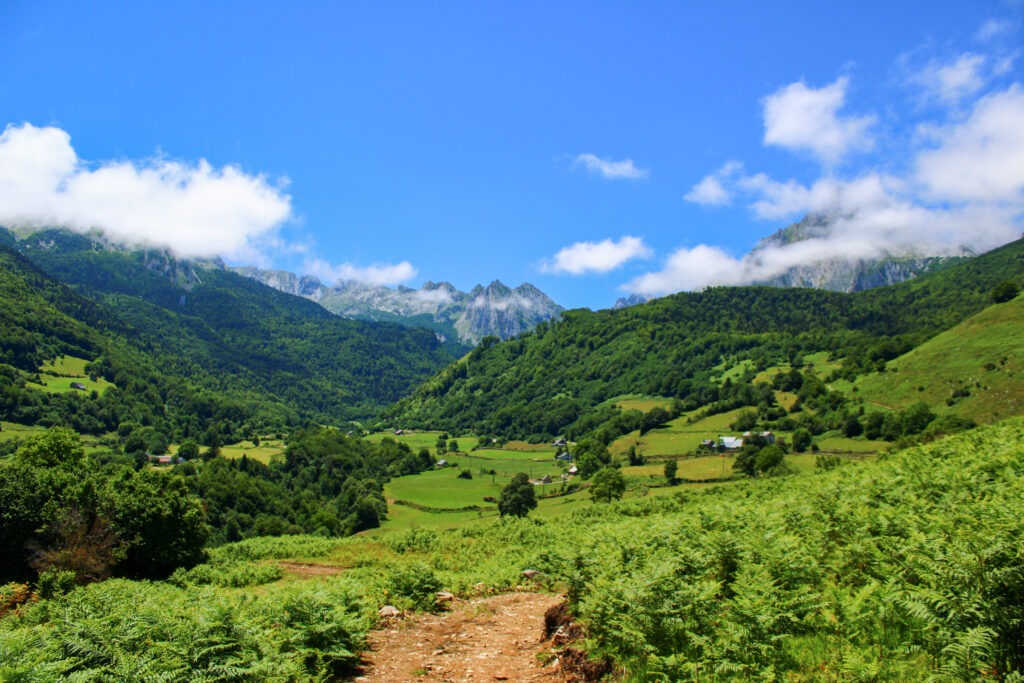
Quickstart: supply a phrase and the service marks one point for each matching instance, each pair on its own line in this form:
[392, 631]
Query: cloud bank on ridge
[959, 181]
[195, 210]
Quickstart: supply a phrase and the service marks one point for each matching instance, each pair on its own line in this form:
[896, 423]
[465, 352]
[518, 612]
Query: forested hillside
[189, 347]
[542, 384]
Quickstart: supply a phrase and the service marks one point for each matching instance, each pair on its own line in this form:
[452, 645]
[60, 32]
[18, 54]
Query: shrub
[412, 586]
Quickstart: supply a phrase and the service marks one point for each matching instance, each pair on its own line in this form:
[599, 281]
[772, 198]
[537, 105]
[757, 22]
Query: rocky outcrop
[848, 275]
[466, 317]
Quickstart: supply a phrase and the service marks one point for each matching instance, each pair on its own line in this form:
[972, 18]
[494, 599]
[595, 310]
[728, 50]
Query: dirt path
[498, 638]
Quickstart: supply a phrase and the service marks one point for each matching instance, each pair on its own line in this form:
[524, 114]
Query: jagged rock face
[505, 313]
[631, 300]
[467, 316]
[856, 276]
[848, 275]
[306, 286]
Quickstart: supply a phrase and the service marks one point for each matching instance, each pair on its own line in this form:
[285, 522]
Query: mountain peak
[453, 315]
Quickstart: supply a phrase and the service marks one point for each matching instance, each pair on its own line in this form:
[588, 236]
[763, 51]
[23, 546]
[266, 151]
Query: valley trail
[495, 638]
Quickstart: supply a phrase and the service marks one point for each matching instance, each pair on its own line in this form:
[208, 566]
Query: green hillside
[232, 335]
[553, 381]
[975, 369]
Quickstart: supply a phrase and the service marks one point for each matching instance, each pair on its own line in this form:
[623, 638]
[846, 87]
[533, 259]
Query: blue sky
[593, 149]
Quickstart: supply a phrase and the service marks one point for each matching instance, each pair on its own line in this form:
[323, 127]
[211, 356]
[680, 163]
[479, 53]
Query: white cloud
[992, 28]
[597, 257]
[711, 191]
[383, 275]
[964, 188]
[687, 269]
[434, 297]
[982, 158]
[806, 119]
[952, 82]
[611, 170]
[196, 210]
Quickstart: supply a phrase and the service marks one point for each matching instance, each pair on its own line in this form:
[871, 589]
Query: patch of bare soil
[310, 569]
[498, 638]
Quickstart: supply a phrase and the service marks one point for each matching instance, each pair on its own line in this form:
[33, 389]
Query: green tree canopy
[671, 467]
[518, 498]
[1004, 291]
[608, 485]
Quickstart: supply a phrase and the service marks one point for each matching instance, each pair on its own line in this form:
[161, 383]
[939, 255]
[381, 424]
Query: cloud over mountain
[953, 180]
[194, 209]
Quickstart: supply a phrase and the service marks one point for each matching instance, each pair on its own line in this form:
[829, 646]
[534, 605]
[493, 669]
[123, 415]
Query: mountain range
[459, 318]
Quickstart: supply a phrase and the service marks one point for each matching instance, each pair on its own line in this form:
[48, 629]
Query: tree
[608, 485]
[671, 468]
[1004, 291]
[188, 449]
[852, 426]
[213, 447]
[801, 440]
[57, 447]
[518, 498]
[768, 458]
[453, 446]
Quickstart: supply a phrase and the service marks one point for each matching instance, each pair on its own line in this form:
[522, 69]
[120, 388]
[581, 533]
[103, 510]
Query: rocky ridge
[455, 316]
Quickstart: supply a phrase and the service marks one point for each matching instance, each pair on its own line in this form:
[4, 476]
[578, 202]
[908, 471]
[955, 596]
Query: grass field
[12, 430]
[268, 449]
[57, 375]
[974, 370]
[638, 402]
[678, 437]
[842, 444]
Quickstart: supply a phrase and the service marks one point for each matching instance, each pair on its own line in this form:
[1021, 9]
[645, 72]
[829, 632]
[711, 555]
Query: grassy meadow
[56, 377]
[973, 370]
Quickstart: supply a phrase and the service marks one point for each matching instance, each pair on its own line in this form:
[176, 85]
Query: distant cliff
[457, 317]
[848, 275]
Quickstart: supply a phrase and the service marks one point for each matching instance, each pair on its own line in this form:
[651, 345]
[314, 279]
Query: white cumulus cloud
[807, 119]
[711, 190]
[982, 158]
[960, 185]
[194, 209]
[611, 170]
[597, 257]
[380, 274]
[951, 82]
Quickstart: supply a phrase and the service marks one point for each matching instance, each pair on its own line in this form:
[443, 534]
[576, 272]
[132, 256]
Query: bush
[55, 582]
[1005, 291]
[413, 586]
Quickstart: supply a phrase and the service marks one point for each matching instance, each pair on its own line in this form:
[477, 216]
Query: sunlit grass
[58, 374]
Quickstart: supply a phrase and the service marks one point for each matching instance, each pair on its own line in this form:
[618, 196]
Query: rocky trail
[509, 637]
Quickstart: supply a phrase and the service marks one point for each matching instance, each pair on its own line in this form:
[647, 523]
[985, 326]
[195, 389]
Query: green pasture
[843, 444]
[414, 440]
[488, 454]
[267, 450]
[13, 430]
[639, 402]
[973, 370]
[57, 375]
[678, 437]
[704, 467]
[524, 447]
